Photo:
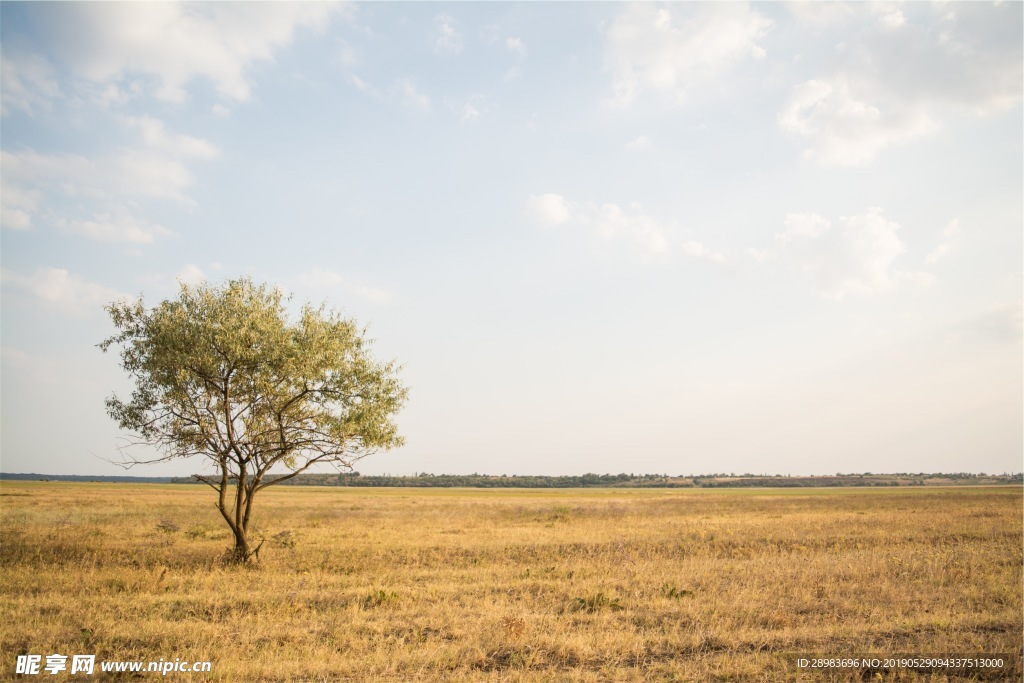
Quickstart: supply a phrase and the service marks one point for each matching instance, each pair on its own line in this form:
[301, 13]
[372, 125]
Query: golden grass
[521, 585]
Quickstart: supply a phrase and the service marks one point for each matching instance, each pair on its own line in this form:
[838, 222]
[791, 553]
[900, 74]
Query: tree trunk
[241, 552]
[244, 551]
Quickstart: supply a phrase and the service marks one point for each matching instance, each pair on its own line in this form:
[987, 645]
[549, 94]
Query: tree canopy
[223, 373]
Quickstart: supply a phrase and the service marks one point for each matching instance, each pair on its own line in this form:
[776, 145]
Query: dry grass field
[520, 585]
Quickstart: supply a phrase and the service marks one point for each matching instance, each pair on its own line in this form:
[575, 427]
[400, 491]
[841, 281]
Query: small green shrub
[378, 598]
[595, 603]
[670, 591]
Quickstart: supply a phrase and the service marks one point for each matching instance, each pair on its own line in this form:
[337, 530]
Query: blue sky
[679, 238]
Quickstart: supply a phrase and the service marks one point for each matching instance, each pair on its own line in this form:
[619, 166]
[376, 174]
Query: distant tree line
[623, 480]
[12, 476]
[590, 480]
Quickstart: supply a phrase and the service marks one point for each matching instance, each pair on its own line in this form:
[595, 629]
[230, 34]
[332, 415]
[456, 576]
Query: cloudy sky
[601, 237]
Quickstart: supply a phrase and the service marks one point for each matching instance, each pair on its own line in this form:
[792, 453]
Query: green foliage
[222, 372]
[670, 591]
[595, 603]
[378, 598]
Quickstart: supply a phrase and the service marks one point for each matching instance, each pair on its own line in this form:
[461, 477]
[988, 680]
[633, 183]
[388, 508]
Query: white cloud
[863, 263]
[103, 188]
[802, 225]
[951, 230]
[698, 250]
[17, 206]
[639, 144]
[220, 111]
[760, 255]
[611, 222]
[105, 184]
[27, 83]
[332, 280]
[937, 253]
[857, 258]
[904, 76]
[135, 173]
[116, 227]
[516, 45]
[16, 219]
[363, 86]
[892, 20]
[168, 45]
[410, 96]
[59, 288]
[372, 293]
[652, 48]
[153, 133]
[190, 274]
[403, 90]
[961, 58]
[448, 40]
[549, 208]
[472, 109]
[838, 129]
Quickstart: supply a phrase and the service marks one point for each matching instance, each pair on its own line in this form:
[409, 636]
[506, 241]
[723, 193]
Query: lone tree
[223, 373]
